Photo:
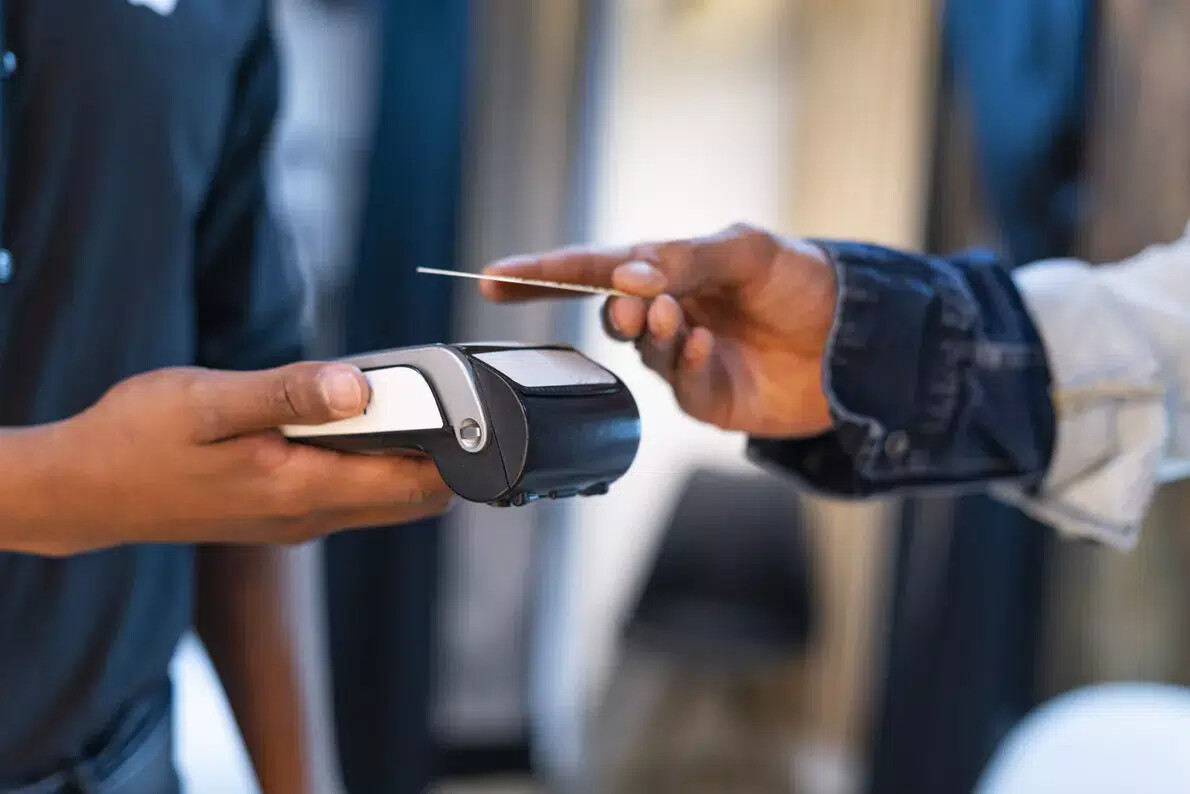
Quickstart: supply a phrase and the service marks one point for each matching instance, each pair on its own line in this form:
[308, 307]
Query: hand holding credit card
[737, 322]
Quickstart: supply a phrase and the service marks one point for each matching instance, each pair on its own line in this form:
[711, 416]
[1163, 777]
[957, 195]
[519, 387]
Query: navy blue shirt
[140, 237]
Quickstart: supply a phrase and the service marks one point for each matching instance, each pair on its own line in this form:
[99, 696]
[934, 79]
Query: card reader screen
[535, 369]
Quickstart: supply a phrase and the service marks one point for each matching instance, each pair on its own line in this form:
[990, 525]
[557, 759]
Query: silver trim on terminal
[452, 379]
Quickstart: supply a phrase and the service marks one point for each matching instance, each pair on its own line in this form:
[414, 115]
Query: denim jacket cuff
[935, 376]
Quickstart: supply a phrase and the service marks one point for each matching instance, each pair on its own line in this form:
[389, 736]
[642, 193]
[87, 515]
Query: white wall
[691, 137]
[208, 751]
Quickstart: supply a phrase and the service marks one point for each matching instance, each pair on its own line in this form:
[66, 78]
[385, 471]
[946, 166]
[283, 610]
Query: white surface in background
[1101, 740]
[208, 752]
[323, 145]
[691, 141]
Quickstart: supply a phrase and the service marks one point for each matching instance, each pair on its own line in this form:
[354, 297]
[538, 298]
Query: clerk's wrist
[37, 489]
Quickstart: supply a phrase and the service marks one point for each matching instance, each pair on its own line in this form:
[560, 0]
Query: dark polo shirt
[136, 236]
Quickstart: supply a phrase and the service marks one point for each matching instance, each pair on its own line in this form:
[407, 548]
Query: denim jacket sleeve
[1059, 387]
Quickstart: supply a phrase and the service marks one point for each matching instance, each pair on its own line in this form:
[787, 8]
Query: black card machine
[505, 424]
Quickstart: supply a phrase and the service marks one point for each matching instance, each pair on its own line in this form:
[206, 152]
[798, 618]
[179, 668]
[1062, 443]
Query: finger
[228, 404]
[624, 318]
[700, 345]
[320, 480]
[740, 255]
[700, 380]
[640, 277]
[736, 256]
[665, 337]
[589, 266]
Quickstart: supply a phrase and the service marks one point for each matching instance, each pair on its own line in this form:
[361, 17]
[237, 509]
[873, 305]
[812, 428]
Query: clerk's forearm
[36, 494]
[243, 618]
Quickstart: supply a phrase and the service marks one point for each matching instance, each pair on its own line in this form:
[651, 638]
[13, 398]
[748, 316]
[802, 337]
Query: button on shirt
[136, 216]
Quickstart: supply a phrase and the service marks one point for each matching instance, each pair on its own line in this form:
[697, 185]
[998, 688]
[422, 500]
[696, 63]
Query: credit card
[532, 282]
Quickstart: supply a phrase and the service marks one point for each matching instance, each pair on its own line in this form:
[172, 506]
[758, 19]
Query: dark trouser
[134, 757]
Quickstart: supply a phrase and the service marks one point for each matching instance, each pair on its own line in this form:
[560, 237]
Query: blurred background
[704, 628]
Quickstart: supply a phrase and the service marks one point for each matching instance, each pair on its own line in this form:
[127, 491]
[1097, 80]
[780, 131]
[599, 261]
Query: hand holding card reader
[505, 424]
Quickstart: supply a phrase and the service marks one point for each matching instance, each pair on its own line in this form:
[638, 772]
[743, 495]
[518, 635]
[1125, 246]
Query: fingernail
[613, 319]
[341, 390]
[643, 275]
[698, 347]
[665, 317]
[501, 265]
